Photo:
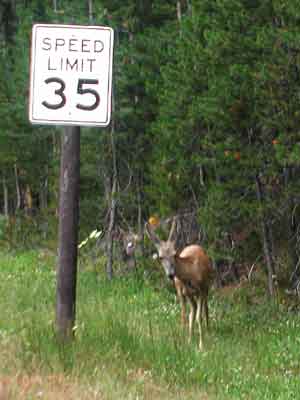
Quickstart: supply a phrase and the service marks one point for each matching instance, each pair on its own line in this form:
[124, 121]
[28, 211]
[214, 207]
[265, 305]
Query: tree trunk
[113, 202]
[28, 201]
[90, 8]
[55, 6]
[291, 222]
[109, 242]
[189, 7]
[9, 22]
[179, 15]
[43, 194]
[201, 175]
[18, 190]
[179, 11]
[5, 197]
[266, 238]
[140, 218]
[217, 272]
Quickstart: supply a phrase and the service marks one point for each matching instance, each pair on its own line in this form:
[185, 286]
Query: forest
[205, 123]
[204, 129]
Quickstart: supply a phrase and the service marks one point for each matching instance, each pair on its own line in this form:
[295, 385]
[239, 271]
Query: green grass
[129, 343]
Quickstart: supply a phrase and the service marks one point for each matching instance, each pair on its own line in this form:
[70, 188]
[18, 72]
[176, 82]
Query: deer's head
[130, 241]
[166, 249]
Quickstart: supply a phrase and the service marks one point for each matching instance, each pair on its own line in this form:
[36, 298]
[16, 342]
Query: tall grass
[128, 335]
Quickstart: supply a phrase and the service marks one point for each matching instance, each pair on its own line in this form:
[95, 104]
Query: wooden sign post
[68, 232]
[70, 85]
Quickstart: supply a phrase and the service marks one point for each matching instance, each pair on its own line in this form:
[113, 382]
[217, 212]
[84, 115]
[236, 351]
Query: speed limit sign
[71, 75]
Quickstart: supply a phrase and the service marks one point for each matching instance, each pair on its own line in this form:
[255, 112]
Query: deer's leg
[206, 312]
[182, 300]
[192, 314]
[205, 307]
[200, 304]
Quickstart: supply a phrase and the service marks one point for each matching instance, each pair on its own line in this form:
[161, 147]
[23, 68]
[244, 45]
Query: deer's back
[198, 263]
[193, 250]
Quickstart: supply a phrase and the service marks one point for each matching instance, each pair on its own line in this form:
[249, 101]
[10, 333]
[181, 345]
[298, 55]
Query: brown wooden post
[68, 233]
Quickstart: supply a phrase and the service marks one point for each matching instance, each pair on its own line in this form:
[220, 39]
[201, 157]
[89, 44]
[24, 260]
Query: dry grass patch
[139, 386]
[52, 387]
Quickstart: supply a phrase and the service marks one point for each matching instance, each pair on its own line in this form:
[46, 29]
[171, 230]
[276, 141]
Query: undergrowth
[129, 330]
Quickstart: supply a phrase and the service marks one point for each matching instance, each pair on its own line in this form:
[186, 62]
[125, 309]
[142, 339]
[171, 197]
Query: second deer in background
[192, 272]
[130, 241]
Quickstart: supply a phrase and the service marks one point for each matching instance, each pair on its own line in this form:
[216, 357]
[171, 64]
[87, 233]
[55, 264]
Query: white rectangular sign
[71, 75]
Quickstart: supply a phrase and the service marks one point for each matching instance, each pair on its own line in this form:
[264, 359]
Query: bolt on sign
[71, 75]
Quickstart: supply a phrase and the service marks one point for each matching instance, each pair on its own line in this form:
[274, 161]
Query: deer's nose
[171, 276]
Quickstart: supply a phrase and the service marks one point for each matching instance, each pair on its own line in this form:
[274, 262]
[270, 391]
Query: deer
[192, 272]
[130, 241]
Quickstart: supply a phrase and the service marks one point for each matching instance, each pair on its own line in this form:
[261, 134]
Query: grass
[129, 343]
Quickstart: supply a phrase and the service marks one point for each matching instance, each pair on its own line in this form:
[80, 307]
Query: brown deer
[192, 273]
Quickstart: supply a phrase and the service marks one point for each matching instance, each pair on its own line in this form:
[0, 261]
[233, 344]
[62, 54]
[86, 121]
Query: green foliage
[227, 105]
